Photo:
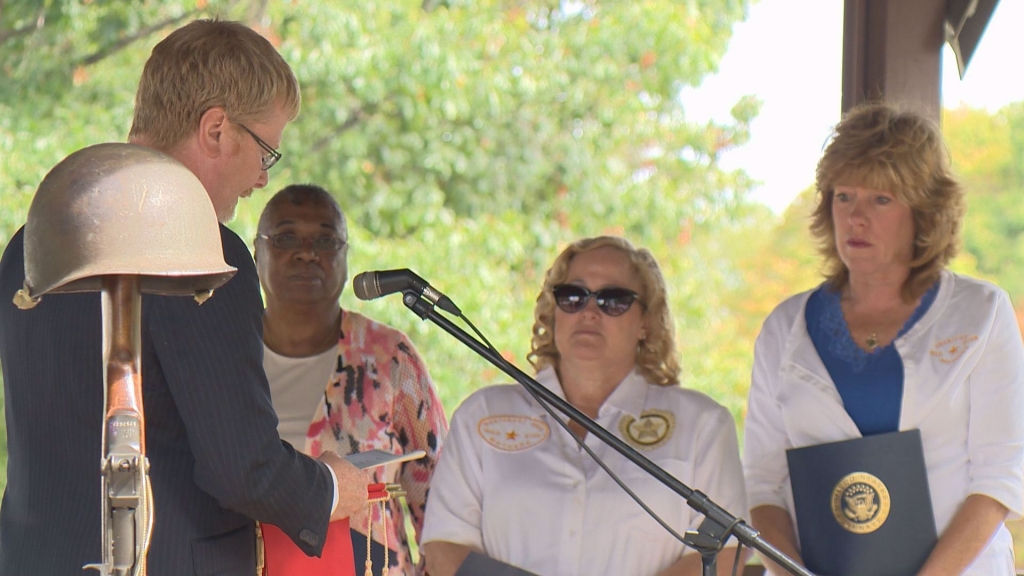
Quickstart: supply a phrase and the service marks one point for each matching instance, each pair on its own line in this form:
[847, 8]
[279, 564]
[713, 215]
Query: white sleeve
[995, 437]
[455, 503]
[334, 482]
[764, 437]
[718, 472]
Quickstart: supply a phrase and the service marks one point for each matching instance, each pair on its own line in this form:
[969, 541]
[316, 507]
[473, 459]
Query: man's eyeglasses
[288, 241]
[271, 157]
[571, 298]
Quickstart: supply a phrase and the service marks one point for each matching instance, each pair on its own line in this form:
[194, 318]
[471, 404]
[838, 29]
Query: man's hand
[352, 485]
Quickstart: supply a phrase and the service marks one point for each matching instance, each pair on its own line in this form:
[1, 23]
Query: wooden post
[892, 51]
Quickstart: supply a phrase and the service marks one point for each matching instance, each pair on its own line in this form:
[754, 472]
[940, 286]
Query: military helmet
[117, 208]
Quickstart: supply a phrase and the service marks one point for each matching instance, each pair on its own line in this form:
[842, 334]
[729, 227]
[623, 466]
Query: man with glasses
[270, 157]
[217, 461]
[338, 379]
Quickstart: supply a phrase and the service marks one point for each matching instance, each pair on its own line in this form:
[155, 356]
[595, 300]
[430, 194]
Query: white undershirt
[296, 388]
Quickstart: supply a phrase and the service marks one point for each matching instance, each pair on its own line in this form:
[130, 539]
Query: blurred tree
[68, 70]
[466, 139]
[987, 151]
[567, 113]
[772, 257]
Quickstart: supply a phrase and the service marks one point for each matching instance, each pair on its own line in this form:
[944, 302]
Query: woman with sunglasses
[513, 485]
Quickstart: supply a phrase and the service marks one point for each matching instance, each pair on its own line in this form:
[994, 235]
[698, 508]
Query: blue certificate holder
[863, 507]
[477, 564]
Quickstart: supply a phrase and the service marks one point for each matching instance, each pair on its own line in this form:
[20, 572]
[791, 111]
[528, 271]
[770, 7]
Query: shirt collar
[549, 379]
[629, 396]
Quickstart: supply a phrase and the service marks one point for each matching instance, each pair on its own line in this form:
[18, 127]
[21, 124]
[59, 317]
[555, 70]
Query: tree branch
[354, 118]
[6, 35]
[128, 40]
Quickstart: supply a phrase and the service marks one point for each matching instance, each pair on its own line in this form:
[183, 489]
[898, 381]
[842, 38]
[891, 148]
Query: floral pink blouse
[381, 396]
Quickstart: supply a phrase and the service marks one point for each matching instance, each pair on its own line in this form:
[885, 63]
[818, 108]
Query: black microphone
[370, 285]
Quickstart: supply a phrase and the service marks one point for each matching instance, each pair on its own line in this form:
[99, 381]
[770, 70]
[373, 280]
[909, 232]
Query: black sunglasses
[571, 298]
[271, 157]
[289, 241]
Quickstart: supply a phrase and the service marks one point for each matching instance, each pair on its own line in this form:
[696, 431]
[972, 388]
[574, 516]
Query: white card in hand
[371, 458]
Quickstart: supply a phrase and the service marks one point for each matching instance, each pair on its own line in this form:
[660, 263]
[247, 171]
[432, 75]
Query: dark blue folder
[477, 564]
[863, 507]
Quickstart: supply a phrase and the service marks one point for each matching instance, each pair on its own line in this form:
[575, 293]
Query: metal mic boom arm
[694, 498]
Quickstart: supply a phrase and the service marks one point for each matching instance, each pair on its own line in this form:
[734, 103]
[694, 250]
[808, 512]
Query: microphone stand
[718, 524]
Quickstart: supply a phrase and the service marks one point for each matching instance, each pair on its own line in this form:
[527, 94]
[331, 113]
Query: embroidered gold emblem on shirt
[652, 429]
[951, 349]
[512, 433]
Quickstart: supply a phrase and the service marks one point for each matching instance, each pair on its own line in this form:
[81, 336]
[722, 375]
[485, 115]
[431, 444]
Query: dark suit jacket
[217, 461]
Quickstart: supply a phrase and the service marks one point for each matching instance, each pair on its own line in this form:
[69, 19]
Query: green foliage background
[466, 140]
[470, 140]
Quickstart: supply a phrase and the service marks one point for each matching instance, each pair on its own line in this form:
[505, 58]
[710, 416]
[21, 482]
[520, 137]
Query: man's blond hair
[204, 64]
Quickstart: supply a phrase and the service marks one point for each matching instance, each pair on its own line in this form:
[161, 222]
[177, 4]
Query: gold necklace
[872, 342]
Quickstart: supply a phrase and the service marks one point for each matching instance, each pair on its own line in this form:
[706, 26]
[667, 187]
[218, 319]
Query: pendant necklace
[872, 342]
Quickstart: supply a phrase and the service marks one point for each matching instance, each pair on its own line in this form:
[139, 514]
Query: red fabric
[284, 558]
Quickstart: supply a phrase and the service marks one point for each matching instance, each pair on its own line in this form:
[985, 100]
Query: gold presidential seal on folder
[860, 503]
[863, 506]
[652, 429]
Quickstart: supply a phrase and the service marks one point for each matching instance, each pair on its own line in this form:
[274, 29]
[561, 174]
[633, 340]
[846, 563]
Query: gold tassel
[261, 551]
[380, 495]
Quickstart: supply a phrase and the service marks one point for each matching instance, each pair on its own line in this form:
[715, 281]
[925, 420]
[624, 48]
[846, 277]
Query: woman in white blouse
[893, 341]
[513, 485]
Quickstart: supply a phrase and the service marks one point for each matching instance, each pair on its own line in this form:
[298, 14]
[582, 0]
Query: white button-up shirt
[514, 484]
[963, 387]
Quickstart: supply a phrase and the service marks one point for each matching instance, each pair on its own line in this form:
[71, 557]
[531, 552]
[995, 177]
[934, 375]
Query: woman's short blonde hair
[656, 356]
[204, 64]
[883, 147]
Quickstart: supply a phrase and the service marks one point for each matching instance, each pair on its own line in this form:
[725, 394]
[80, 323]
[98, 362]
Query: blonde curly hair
[656, 358]
[880, 146]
